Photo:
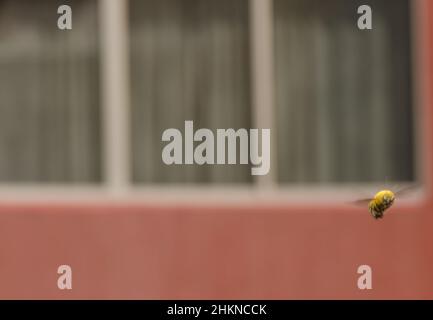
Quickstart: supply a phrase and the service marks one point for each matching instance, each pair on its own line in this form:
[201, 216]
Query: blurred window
[49, 90]
[189, 61]
[343, 96]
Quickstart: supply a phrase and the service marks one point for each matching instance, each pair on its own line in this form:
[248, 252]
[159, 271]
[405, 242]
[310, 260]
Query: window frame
[117, 184]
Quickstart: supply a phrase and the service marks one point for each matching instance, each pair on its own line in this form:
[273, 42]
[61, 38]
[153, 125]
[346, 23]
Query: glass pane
[49, 95]
[344, 100]
[190, 61]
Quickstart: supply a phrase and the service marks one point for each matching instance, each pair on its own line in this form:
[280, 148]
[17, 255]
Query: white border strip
[192, 195]
[113, 17]
[262, 71]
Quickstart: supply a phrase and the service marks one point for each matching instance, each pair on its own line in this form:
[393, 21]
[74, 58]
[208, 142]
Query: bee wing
[405, 190]
[361, 202]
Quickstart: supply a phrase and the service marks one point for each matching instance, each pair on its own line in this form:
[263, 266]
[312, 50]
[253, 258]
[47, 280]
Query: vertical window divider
[262, 67]
[420, 63]
[115, 91]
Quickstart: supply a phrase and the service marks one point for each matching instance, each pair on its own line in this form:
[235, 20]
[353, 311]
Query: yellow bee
[382, 201]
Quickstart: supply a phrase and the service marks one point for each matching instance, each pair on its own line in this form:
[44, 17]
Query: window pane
[344, 99]
[49, 95]
[190, 61]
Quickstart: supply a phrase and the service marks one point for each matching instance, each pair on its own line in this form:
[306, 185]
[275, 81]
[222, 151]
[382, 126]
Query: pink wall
[141, 252]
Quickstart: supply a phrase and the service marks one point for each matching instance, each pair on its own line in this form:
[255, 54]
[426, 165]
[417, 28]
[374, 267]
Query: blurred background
[84, 109]
[343, 98]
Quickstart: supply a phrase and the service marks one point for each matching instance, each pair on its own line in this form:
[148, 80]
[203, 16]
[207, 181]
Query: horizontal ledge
[199, 194]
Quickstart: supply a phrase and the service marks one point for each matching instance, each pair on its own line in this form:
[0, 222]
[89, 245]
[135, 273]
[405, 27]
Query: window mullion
[262, 64]
[114, 31]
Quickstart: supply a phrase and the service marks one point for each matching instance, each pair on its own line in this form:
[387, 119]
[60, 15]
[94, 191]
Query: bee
[382, 201]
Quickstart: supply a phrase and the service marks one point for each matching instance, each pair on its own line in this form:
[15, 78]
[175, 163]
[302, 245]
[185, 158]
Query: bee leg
[379, 215]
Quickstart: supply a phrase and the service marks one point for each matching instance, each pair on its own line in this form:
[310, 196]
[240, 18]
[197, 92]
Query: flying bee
[382, 201]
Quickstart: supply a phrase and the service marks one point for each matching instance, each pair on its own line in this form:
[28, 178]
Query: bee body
[381, 201]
